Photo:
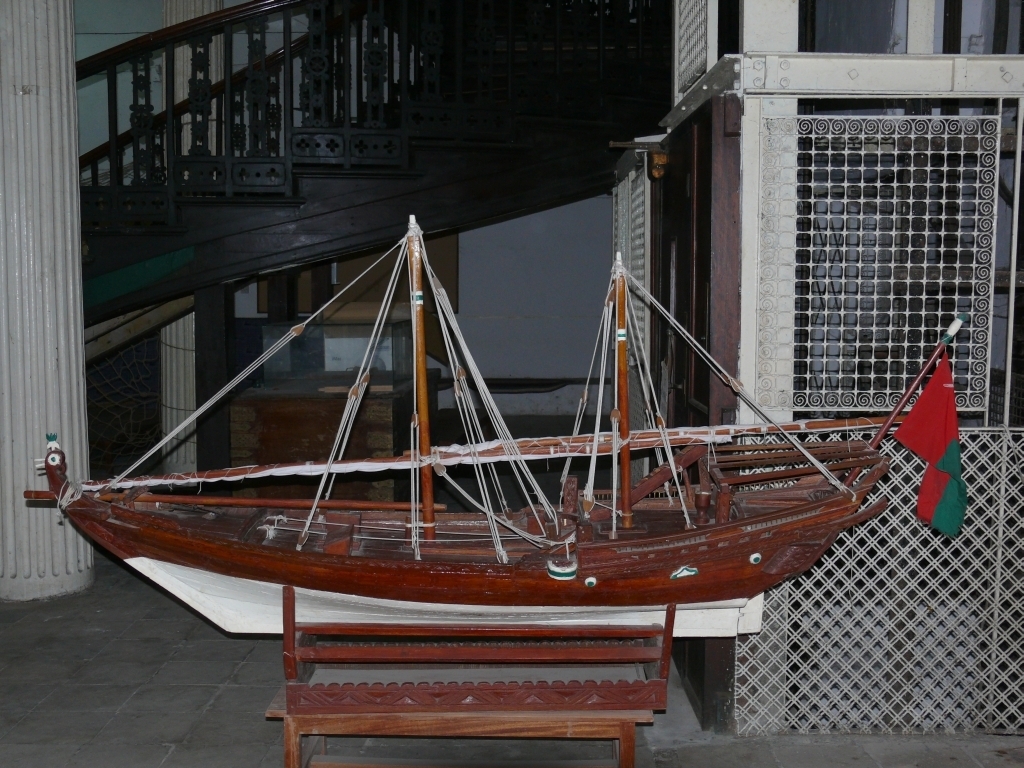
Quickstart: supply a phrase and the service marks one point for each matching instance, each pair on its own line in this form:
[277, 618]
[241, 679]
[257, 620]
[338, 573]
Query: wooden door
[684, 269]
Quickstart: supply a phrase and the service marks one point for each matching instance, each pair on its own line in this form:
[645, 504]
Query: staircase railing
[338, 86]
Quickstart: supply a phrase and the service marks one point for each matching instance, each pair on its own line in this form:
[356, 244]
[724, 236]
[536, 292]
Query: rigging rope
[277, 346]
[588, 490]
[524, 477]
[355, 396]
[659, 423]
[582, 407]
[734, 384]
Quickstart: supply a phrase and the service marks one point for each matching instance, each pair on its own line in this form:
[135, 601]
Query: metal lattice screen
[691, 54]
[895, 236]
[897, 628]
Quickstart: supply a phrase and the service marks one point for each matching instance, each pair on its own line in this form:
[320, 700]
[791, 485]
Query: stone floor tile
[995, 751]
[268, 650]
[474, 751]
[244, 698]
[152, 728]
[9, 719]
[116, 672]
[35, 755]
[228, 756]
[221, 728]
[118, 756]
[30, 670]
[214, 650]
[816, 752]
[49, 727]
[16, 695]
[171, 611]
[916, 751]
[722, 753]
[259, 673]
[11, 612]
[204, 630]
[193, 673]
[146, 650]
[275, 757]
[170, 698]
[174, 630]
[98, 698]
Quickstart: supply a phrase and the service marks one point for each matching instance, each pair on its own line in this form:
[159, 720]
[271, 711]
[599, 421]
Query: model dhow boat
[715, 521]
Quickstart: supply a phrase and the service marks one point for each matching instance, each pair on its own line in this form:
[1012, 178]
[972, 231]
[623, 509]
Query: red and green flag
[931, 431]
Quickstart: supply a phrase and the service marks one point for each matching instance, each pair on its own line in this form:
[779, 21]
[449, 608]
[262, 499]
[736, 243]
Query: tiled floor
[122, 675]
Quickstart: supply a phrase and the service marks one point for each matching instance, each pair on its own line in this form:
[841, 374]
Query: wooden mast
[622, 372]
[422, 391]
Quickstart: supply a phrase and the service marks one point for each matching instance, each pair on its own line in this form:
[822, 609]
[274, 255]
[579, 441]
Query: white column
[921, 26]
[42, 372]
[769, 25]
[177, 340]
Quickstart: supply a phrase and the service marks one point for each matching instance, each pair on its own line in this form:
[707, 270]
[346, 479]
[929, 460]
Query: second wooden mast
[622, 404]
[414, 245]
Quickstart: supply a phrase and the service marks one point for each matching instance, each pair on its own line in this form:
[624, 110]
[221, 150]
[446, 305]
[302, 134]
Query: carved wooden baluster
[375, 64]
[432, 43]
[274, 111]
[141, 120]
[257, 88]
[200, 102]
[315, 89]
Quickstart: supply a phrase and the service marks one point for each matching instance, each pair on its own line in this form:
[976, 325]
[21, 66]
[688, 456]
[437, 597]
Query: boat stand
[468, 681]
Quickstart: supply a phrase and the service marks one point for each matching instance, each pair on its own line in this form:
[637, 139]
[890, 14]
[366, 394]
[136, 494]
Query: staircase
[337, 119]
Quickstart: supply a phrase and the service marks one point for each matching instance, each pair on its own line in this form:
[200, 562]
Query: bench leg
[292, 744]
[627, 745]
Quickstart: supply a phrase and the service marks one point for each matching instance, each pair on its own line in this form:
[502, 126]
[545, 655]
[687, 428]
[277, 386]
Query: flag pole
[937, 353]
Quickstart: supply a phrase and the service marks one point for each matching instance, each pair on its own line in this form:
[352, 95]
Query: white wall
[530, 296]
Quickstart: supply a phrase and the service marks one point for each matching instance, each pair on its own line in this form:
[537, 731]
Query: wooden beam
[98, 329]
[724, 298]
[140, 324]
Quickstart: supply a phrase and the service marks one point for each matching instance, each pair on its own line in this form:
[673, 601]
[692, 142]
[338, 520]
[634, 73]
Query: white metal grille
[638, 187]
[895, 234]
[897, 628]
[631, 203]
[691, 48]
[620, 219]
[875, 234]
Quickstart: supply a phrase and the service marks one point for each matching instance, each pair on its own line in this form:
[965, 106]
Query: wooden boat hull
[736, 560]
[246, 606]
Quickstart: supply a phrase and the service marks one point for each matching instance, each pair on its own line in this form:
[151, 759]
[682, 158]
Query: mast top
[414, 228]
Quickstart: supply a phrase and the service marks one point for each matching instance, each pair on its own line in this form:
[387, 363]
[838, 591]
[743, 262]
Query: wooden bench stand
[470, 681]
